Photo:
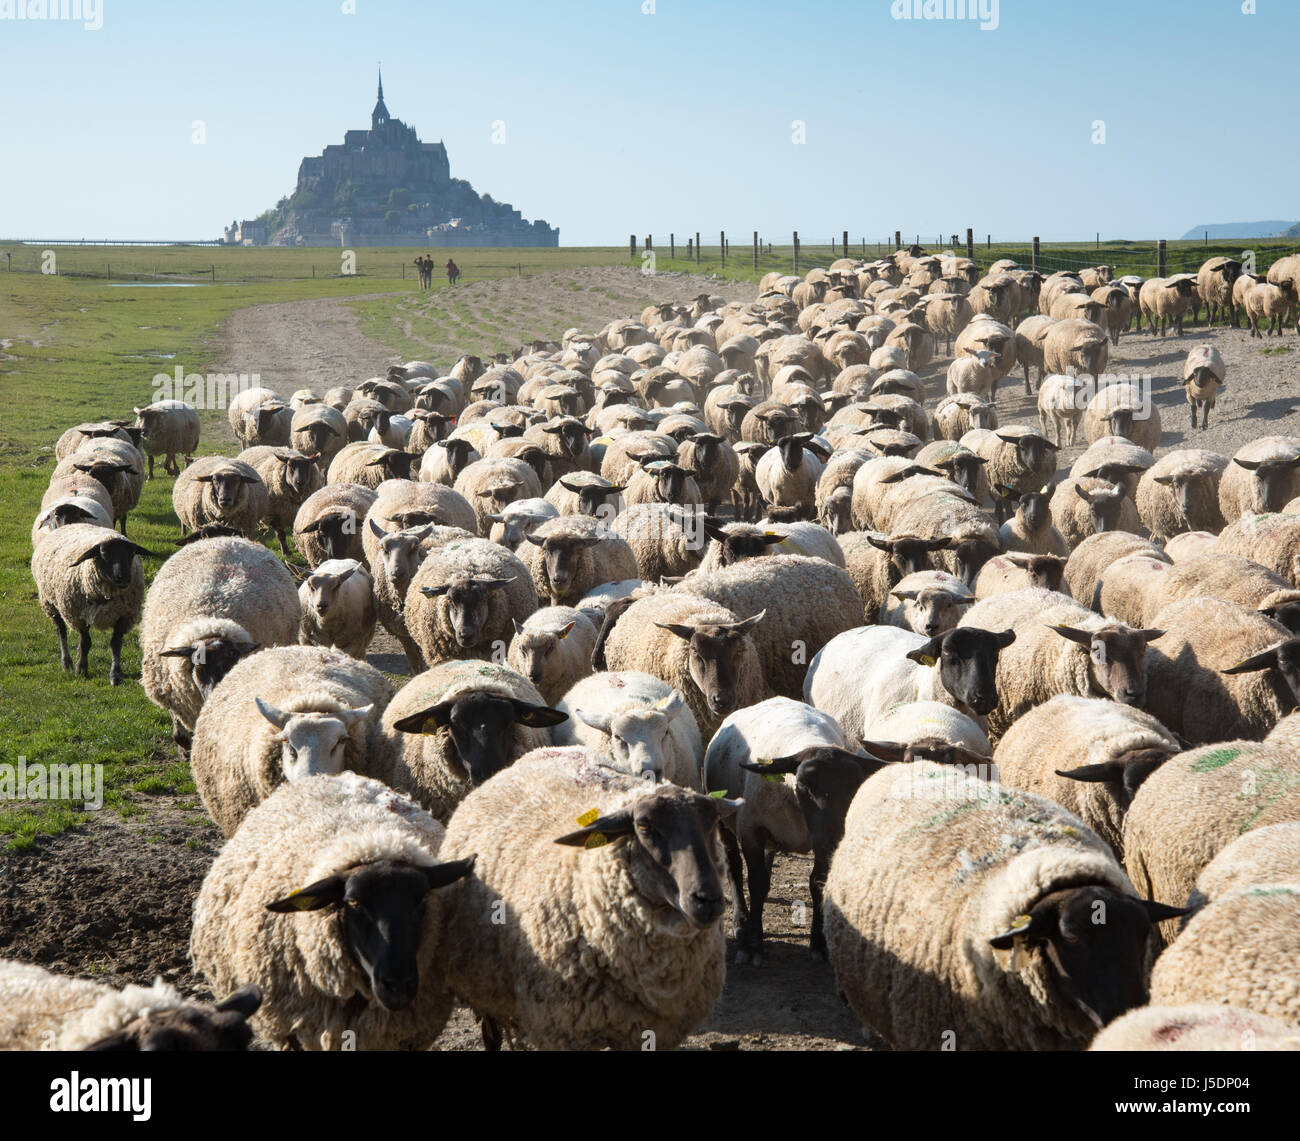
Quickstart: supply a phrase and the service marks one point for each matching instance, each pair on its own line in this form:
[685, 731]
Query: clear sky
[619, 121]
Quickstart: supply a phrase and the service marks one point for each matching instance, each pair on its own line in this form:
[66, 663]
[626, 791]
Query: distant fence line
[231, 276]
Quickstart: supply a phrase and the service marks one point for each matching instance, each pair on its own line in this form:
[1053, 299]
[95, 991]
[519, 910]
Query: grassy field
[74, 346]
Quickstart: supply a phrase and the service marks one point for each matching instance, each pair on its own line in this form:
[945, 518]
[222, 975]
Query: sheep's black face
[298, 475]
[968, 664]
[910, 556]
[1035, 453]
[678, 830]
[970, 556]
[115, 559]
[467, 611]
[458, 454]
[66, 513]
[573, 438]
[671, 481]
[213, 658]
[591, 499]
[1287, 614]
[743, 544]
[482, 731]
[193, 1027]
[1104, 509]
[1117, 662]
[105, 474]
[226, 487]
[1046, 572]
[1273, 481]
[1035, 510]
[336, 532]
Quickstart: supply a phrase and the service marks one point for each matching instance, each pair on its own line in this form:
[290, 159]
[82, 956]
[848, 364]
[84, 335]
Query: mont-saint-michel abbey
[384, 187]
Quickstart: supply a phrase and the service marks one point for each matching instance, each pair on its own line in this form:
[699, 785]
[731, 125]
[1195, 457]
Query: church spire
[379, 116]
[381, 85]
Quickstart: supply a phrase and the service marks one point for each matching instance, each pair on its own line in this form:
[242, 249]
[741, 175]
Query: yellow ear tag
[769, 534]
[303, 904]
[596, 840]
[430, 730]
[718, 794]
[775, 778]
[927, 660]
[589, 817]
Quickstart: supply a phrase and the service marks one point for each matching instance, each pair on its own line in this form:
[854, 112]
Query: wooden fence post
[672, 245]
[722, 246]
[631, 247]
[898, 239]
[755, 249]
[796, 253]
[970, 243]
[697, 247]
[1160, 258]
[1034, 263]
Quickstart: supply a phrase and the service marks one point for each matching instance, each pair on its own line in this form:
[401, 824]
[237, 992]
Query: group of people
[425, 266]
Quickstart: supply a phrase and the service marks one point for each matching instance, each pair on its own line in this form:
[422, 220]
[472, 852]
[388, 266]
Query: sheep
[1189, 544]
[858, 676]
[1029, 337]
[569, 555]
[584, 493]
[488, 485]
[1127, 589]
[1276, 302]
[1213, 677]
[797, 537]
[66, 509]
[939, 876]
[787, 474]
[40, 1010]
[1263, 476]
[365, 974]
[1166, 298]
[1076, 347]
[959, 412]
[1285, 273]
[696, 646]
[1203, 374]
[329, 523]
[368, 465]
[972, 537]
[80, 487]
[117, 465]
[770, 818]
[1259, 856]
[1090, 558]
[168, 428]
[947, 314]
[712, 462]
[1123, 409]
[927, 602]
[401, 504]
[1116, 460]
[661, 481]
[427, 428]
[289, 478]
[282, 714]
[209, 605]
[877, 562]
[444, 462]
[259, 416]
[974, 373]
[462, 601]
[1225, 576]
[1083, 507]
[1199, 1026]
[1060, 647]
[653, 951]
[1116, 309]
[962, 466]
[641, 723]
[217, 490]
[89, 577]
[338, 608]
[928, 730]
[1018, 457]
[454, 726]
[319, 431]
[1061, 402]
[1031, 528]
[552, 648]
[1180, 492]
[1018, 570]
[1088, 755]
[917, 341]
[519, 518]
[807, 602]
[1196, 804]
[75, 436]
[1272, 540]
[665, 538]
[363, 416]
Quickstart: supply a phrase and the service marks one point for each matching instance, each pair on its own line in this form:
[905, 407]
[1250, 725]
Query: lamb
[259, 416]
[1083, 507]
[113, 463]
[1019, 571]
[168, 428]
[974, 374]
[367, 974]
[1180, 492]
[1203, 374]
[553, 648]
[927, 602]
[1076, 347]
[1060, 647]
[1198, 1026]
[488, 485]
[1123, 409]
[289, 477]
[1086, 754]
[1196, 804]
[939, 875]
[283, 714]
[1083, 569]
[696, 646]
[640, 722]
[1263, 476]
[664, 538]
[40, 1010]
[1276, 302]
[328, 524]
[454, 726]
[1167, 298]
[66, 509]
[464, 599]
[1213, 674]
[217, 490]
[368, 465]
[210, 604]
[861, 674]
[1271, 540]
[338, 608]
[770, 818]
[959, 412]
[807, 602]
[89, 577]
[1031, 529]
[653, 957]
[320, 431]
[1061, 401]
[571, 554]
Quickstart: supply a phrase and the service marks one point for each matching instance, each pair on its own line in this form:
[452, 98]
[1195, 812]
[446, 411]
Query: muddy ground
[113, 898]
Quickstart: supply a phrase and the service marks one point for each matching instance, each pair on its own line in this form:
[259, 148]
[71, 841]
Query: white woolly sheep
[1264, 475]
[488, 485]
[1018, 457]
[1031, 528]
[218, 490]
[1019, 570]
[665, 538]
[260, 416]
[329, 523]
[338, 608]
[1180, 492]
[400, 504]
[1076, 347]
[1123, 409]
[1197, 1026]
[1203, 374]
[1082, 506]
[1061, 401]
[368, 465]
[571, 554]
[1167, 298]
[62, 510]
[1083, 569]
[289, 477]
[169, 428]
[552, 648]
[1272, 540]
[927, 602]
[117, 465]
[319, 431]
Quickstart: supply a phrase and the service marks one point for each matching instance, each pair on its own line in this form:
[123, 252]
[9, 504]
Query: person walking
[453, 271]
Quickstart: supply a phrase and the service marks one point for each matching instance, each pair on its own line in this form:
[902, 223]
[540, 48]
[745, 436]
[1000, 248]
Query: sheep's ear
[176, 652]
[1093, 774]
[1083, 637]
[244, 1001]
[439, 715]
[201, 478]
[904, 595]
[1037, 926]
[687, 632]
[745, 625]
[536, 542]
[1158, 912]
[881, 544]
[888, 751]
[672, 705]
[277, 717]
[1253, 664]
[435, 591]
[90, 554]
[440, 875]
[927, 655]
[564, 631]
[1151, 635]
[1164, 480]
[600, 831]
[375, 529]
[351, 717]
[537, 716]
[598, 721]
[519, 626]
[322, 893]
[250, 479]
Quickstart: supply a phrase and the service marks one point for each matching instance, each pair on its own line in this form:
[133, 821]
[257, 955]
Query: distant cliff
[1241, 230]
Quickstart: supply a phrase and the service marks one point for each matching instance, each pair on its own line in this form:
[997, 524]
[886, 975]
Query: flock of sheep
[1035, 727]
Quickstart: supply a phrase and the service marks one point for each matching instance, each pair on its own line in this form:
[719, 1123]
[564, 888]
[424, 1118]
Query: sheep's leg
[61, 628]
[83, 652]
[816, 889]
[122, 523]
[739, 909]
[414, 658]
[284, 547]
[1028, 391]
[491, 1031]
[1205, 416]
[1191, 404]
[183, 738]
[760, 881]
[120, 627]
[150, 475]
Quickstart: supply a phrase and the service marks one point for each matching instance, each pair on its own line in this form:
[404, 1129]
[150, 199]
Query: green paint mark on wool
[1216, 760]
[1273, 891]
